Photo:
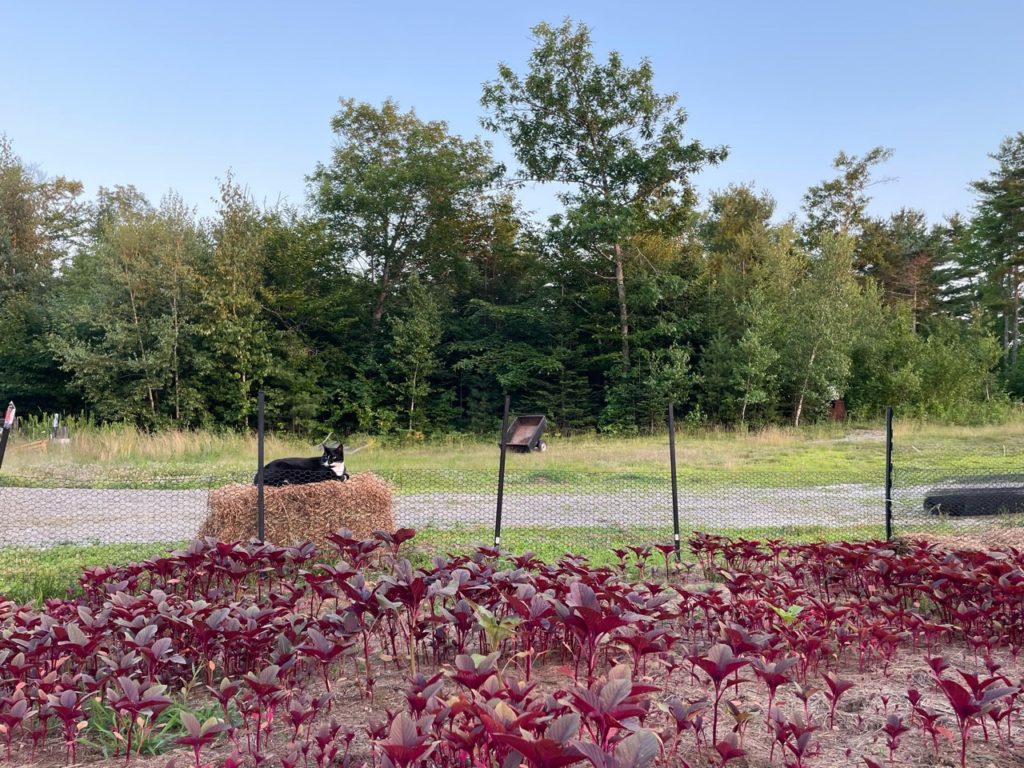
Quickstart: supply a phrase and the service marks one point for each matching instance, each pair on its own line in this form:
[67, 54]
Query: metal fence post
[675, 486]
[6, 431]
[888, 473]
[501, 474]
[259, 466]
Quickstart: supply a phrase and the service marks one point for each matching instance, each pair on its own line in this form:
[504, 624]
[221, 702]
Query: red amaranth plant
[136, 704]
[199, 734]
[718, 663]
[969, 706]
[552, 750]
[611, 704]
[773, 675]
[836, 688]
[894, 728]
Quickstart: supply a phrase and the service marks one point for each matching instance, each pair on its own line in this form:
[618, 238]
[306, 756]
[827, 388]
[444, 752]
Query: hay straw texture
[298, 513]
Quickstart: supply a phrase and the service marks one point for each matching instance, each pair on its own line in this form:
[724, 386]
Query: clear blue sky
[172, 95]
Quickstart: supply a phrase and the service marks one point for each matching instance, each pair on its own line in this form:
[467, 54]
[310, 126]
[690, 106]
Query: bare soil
[858, 731]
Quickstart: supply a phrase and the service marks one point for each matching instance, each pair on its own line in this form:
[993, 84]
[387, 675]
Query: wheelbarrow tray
[525, 432]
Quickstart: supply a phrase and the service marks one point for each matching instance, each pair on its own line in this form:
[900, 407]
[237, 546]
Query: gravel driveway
[722, 508]
[48, 516]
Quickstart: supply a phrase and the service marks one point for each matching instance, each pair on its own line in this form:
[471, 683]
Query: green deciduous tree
[40, 223]
[124, 315]
[819, 325]
[755, 377]
[415, 333]
[236, 341]
[603, 131]
[737, 233]
[748, 269]
[839, 205]
[397, 196]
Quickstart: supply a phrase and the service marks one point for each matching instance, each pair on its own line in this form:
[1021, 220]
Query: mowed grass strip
[33, 574]
[598, 544]
[30, 573]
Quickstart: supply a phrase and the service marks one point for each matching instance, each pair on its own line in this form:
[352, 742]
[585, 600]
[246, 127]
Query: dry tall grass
[169, 452]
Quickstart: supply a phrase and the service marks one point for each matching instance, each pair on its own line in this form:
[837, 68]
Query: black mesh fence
[977, 495]
[796, 504]
[36, 513]
[549, 512]
[51, 525]
[553, 511]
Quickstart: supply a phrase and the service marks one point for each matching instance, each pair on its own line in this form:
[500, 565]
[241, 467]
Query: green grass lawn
[28, 573]
[597, 543]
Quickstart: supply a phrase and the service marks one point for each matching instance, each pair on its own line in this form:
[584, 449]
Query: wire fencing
[979, 497]
[583, 512]
[549, 512]
[34, 514]
[547, 509]
[53, 525]
[57, 523]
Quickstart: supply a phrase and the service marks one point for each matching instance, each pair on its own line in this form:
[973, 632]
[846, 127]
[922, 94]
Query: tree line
[413, 291]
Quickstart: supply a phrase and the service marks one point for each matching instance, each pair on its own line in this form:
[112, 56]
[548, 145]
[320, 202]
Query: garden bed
[752, 655]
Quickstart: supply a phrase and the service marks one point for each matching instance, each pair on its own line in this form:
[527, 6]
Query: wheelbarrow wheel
[541, 446]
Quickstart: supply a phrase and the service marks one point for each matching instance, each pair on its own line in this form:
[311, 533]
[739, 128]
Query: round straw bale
[299, 513]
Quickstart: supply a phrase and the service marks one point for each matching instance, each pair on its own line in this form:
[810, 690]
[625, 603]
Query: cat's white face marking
[338, 469]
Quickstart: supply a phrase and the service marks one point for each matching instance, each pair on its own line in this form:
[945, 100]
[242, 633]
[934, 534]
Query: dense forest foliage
[413, 291]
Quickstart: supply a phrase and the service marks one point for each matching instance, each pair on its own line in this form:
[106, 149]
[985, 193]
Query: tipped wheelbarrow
[525, 434]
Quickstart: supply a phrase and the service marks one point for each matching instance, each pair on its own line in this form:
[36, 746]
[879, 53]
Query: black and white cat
[330, 466]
